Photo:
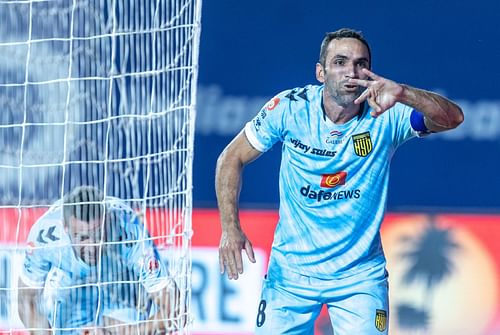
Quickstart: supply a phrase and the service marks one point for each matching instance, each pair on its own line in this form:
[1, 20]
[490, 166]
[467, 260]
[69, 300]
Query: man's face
[344, 59]
[85, 237]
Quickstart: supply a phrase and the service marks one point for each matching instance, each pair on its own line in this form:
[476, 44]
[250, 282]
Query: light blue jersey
[333, 182]
[77, 294]
[333, 188]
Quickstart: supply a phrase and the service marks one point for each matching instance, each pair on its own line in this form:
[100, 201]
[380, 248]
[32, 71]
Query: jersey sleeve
[37, 264]
[266, 128]
[401, 126]
[142, 256]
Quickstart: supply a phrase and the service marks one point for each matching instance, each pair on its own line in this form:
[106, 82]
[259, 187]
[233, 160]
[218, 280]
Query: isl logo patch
[380, 320]
[362, 144]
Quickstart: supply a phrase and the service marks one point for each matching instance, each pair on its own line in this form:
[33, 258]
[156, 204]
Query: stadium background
[442, 233]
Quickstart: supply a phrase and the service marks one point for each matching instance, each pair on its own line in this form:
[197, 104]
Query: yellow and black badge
[362, 144]
[381, 320]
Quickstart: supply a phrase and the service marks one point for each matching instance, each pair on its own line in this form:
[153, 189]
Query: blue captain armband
[418, 124]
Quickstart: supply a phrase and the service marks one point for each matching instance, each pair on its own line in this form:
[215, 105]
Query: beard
[89, 254]
[340, 95]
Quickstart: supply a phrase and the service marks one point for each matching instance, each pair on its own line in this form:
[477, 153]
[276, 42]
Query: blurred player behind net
[90, 267]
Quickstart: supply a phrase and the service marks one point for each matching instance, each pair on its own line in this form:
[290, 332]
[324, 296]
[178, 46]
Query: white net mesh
[100, 93]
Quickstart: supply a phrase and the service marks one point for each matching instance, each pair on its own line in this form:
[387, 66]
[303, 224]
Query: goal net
[98, 93]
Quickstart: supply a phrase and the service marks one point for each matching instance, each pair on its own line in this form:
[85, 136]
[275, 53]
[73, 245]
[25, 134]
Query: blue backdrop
[251, 50]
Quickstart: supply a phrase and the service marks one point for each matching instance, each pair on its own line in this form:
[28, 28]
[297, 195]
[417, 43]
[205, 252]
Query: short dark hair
[337, 35]
[84, 203]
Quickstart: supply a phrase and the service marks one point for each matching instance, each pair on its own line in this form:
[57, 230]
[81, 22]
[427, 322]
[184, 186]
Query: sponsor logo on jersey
[30, 247]
[362, 144]
[301, 146]
[335, 137]
[262, 114]
[323, 152]
[27, 266]
[272, 103]
[380, 320]
[313, 151]
[257, 123]
[333, 179]
[320, 195]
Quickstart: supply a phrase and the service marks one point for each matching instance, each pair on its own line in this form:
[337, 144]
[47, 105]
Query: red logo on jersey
[333, 179]
[29, 249]
[272, 104]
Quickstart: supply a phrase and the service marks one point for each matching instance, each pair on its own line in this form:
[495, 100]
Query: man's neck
[340, 114]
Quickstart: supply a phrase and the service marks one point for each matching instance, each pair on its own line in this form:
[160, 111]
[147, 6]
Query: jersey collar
[363, 109]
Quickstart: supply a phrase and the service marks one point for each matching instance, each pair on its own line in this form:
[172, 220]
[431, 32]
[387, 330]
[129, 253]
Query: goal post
[99, 93]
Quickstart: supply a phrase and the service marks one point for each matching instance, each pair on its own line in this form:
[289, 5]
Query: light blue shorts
[290, 303]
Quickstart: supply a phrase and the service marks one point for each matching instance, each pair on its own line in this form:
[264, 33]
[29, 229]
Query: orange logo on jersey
[333, 179]
[272, 104]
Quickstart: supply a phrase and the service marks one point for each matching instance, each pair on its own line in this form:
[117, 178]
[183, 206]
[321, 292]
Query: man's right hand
[232, 243]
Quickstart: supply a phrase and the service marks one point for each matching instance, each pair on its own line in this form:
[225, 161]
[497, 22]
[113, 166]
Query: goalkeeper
[337, 142]
[90, 267]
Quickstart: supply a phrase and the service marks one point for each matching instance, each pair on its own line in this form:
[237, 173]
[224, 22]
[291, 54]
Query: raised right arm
[227, 186]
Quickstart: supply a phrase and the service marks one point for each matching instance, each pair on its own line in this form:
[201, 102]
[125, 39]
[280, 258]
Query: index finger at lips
[360, 82]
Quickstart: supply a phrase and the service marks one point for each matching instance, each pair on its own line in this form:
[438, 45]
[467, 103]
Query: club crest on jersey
[362, 144]
[153, 264]
[380, 320]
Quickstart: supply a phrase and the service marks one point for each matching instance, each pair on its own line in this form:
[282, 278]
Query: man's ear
[320, 73]
[69, 223]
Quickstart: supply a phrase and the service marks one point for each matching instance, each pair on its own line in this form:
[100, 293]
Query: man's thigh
[286, 310]
[364, 311]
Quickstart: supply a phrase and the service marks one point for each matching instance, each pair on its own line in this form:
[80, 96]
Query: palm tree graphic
[430, 261]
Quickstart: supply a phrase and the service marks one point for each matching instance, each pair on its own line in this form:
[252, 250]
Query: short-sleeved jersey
[129, 261]
[333, 181]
